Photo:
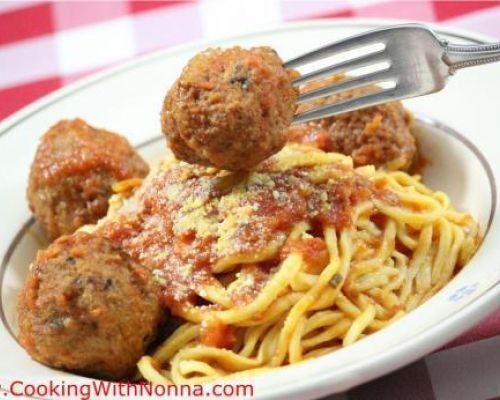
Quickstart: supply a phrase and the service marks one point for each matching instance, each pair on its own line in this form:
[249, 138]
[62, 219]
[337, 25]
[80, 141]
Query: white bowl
[127, 99]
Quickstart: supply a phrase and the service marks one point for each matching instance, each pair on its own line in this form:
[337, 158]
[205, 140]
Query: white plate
[127, 99]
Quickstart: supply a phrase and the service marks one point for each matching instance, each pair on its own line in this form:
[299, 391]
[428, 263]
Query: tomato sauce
[180, 223]
[215, 334]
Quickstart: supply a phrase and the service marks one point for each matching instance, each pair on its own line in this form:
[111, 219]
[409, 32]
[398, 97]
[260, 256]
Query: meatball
[72, 174]
[87, 307]
[229, 108]
[378, 135]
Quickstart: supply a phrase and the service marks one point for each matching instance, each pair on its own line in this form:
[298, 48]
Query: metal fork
[416, 62]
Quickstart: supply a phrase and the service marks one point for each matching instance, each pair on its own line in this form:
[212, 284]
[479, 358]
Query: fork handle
[461, 56]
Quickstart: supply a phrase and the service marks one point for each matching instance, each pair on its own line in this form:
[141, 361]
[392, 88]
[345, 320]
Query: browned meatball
[378, 135]
[87, 307]
[229, 108]
[71, 176]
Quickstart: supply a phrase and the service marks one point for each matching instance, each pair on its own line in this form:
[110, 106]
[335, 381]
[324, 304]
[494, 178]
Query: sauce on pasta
[187, 222]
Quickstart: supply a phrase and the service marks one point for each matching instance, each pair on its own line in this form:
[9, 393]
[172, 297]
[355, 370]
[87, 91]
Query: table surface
[38, 43]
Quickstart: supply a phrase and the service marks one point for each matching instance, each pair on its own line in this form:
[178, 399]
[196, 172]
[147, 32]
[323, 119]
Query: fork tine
[359, 62]
[348, 84]
[352, 104]
[362, 39]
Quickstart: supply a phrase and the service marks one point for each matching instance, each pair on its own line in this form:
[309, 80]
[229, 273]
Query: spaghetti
[304, 255]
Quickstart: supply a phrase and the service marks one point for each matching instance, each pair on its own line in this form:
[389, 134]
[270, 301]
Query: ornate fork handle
[463, 56]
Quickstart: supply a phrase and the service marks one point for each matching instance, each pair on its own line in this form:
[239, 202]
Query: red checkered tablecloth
[46, 45]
